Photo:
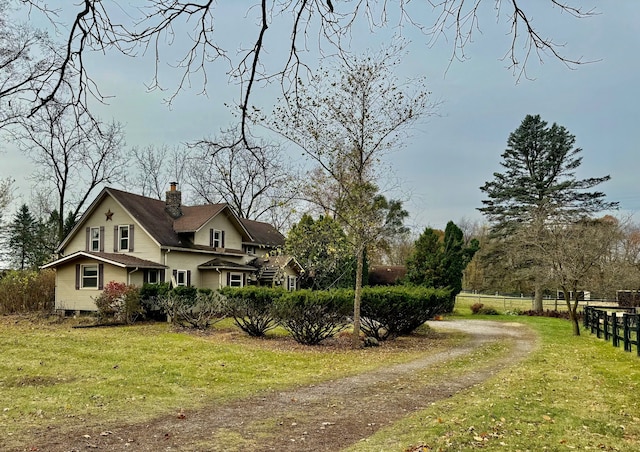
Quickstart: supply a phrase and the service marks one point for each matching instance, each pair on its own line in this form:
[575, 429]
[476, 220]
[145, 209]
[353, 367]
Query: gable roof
[263, 233]
[119, 260]
[195, 217]
[150, 214]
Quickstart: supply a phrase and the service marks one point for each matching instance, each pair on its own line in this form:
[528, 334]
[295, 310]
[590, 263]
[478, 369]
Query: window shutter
[100, 276]
[115, 239]
[244, 279]
[130, 237]
[145, 276]
[228, 279]
[162, 275]
[211, 237]
[77, 276]
[188, 278]
[222, 239]
[88, 230]
[102, 239]
[175, 276]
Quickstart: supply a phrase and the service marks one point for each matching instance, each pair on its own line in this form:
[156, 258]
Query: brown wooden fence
[614, 323]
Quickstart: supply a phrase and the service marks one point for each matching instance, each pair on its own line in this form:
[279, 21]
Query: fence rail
[614, 323]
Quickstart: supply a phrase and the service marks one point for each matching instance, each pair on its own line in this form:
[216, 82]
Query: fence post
[625, 324]
[605, 325]
[585, 320]
[614, 320]
[598, 327]
[635, 316]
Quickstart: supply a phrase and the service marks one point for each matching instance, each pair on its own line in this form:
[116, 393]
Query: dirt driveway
[323, 417]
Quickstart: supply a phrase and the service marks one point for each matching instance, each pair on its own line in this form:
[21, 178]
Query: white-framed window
[291, 283]
[217, 239]
[250, 249]
[153, 276]
[181, 278]
[123, 237]
[235, 279]
[94, 239]
[89, 276]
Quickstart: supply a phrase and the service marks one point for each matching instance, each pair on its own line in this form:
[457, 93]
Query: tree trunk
[358, 297]
[537, 298]
[573, 310]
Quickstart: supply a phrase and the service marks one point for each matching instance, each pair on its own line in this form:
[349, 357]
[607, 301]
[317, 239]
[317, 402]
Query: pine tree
[22, 238]
[538, 188]
[440, 259]
[539, 182]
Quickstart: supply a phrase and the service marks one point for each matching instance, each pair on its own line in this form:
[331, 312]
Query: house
[134, 239]
[386, 275]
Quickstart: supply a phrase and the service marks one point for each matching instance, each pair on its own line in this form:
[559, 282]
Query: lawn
[573, 393]
[54, 375]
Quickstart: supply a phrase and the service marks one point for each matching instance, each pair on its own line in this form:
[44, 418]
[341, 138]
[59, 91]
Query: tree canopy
[538, 200]
[48, 71]
[439, 258]
[539, 183]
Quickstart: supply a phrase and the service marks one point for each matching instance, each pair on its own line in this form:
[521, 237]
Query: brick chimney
[174, 201]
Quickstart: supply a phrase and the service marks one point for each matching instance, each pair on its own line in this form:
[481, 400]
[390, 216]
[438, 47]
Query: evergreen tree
[455, 257]
[423, 267]
[539, 182]
[22, 238]
[439, 259]
[538, 188]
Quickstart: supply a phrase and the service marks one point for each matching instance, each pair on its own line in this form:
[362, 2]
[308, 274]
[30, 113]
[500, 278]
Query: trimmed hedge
[251, 308]
[389, 312]
[312, 316]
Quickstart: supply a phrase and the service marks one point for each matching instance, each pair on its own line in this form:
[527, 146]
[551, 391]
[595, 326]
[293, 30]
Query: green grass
[573, 393]
[51, 373]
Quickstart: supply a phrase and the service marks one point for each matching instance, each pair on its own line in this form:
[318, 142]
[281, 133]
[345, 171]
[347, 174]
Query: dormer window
[216, 238]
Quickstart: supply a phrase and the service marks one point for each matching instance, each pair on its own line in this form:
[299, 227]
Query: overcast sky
[448, 157]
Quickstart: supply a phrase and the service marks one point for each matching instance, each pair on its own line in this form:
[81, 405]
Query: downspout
[165, 260]
[129, 275]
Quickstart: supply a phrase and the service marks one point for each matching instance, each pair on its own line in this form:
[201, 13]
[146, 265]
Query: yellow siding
[212, 279]
[68, 298]
[232, 237]
[144, 246]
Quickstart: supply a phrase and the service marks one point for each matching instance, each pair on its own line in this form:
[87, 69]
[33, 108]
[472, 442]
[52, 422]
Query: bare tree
[344, 122]
[575, 252]
[154, 25]
[28, 65]
[256, 182]
[154, 167]
[74, 155]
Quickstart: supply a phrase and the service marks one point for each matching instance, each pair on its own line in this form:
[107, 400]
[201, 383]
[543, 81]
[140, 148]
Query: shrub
[389, 312]
[193, 308]
[252, 308]
[150, 299]
[312, 316]
[550, 313]
[27, 291]
[119, 302]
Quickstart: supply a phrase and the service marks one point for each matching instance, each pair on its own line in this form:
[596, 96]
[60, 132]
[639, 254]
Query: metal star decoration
[109, 215]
